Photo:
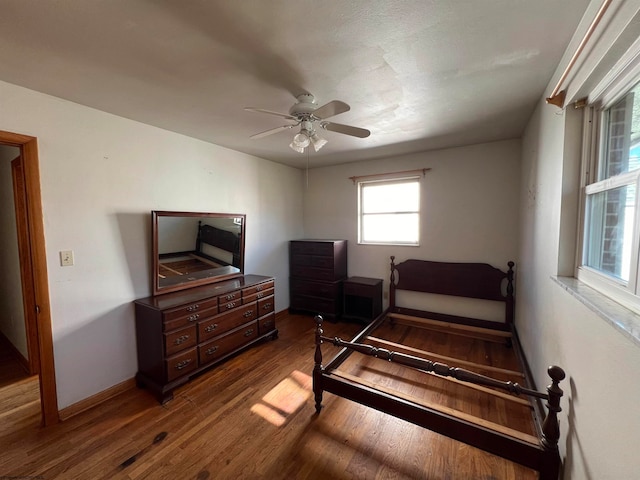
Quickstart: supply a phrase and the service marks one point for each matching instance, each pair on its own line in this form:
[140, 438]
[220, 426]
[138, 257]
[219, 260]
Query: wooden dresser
[317, 269]
[181, 334]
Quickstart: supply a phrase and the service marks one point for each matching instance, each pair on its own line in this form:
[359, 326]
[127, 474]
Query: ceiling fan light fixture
[301, 139]
[297, 148]
[317, 141]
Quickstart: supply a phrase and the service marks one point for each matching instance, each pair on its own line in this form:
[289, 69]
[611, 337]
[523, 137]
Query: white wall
[600, 418]
[12, 323]
[469, 204]
[101, 175]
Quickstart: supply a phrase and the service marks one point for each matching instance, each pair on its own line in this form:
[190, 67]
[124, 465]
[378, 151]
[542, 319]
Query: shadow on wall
[97, 354]
[568, 469]
[135, 234]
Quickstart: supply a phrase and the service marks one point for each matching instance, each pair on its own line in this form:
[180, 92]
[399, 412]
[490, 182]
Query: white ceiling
[420, 74]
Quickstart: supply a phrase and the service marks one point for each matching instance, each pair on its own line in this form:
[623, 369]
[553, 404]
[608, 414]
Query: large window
[389, 211]
[611, 240]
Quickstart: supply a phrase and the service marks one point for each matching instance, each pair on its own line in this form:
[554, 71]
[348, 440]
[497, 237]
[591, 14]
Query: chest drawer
[317, 273]
[226, 321]
[316, 289]
[220, 346]
[312, 248]
[179, 340]
[190, 319]
[181, 364]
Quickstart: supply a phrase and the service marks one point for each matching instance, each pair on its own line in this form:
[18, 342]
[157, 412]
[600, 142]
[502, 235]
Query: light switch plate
[66, 258]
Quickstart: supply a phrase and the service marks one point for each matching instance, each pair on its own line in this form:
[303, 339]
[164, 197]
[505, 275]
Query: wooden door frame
[35, 229]
[26, 268]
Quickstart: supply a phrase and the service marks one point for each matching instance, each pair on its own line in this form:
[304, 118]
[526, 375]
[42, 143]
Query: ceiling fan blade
[346, 129]
[278, 114]
[330, 109]
[271, 131]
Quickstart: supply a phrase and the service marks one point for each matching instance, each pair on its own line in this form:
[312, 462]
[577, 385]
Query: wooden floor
[252, 418]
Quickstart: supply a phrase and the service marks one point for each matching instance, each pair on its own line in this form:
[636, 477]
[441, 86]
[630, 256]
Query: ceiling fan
[306, 113]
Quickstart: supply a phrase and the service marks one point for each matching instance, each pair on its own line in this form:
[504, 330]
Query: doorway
[33, 269]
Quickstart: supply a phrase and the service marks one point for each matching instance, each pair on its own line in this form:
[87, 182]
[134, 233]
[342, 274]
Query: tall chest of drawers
[181, 334]
[317, 269]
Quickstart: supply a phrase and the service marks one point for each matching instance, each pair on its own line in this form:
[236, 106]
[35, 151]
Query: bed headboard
[223, 239]
[471, 280]
[219, 238]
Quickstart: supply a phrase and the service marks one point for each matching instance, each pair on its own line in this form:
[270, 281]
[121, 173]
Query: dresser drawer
[190, 319]
[260, 287]
[181, 364]
[224, 344]
[179, 340]
[256, 296]
[266, 323]
[187, 314]
[226, 321]
[316, 289]
[266, 305]
[230, 305]
[229, 297]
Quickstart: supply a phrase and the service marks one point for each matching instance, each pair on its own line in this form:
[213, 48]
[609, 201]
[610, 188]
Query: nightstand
[362, 298]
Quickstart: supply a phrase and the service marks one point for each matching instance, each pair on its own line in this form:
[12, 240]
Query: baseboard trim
[95, 400]
[281, 314]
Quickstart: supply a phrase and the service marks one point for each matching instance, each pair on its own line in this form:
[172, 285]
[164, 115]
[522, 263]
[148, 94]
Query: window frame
[595, 129]
[390, 180]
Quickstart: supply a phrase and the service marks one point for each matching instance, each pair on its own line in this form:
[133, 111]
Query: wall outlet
[66, 258]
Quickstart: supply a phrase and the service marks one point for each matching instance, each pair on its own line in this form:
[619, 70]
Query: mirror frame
[155, 253]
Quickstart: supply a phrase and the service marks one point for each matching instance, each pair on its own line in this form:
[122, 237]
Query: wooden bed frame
[472, 280]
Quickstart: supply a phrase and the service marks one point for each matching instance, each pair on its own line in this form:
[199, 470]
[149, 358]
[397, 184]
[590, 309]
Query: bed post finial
[550, 426]
[392, 285]
[317, 369]
[509, 301]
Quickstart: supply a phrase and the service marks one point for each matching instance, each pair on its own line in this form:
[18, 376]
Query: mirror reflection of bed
[194, 248]
[187, 265]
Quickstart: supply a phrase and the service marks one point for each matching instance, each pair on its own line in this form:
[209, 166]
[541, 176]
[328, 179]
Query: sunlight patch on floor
[285, 399]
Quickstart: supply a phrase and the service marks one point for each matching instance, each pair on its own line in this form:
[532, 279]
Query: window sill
[622, 319]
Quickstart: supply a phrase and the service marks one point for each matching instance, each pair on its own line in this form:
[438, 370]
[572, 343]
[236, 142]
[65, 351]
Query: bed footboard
[540, 454]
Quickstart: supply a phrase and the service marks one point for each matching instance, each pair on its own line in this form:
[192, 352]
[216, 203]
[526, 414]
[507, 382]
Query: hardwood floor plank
[253, 417]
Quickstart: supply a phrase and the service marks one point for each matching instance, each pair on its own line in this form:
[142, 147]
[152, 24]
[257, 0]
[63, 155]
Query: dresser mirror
[191, 249]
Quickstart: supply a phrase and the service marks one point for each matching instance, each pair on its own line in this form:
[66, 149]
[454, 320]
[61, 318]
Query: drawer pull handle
[182, 339]
[192, 308]
[231, 296]
[231, 305]
[182, 364]
[248, 313]
[194, 317]
[258, 288]
[260, 295]
[211, 328]
[248, 333]
[212, 350]
[266, 306]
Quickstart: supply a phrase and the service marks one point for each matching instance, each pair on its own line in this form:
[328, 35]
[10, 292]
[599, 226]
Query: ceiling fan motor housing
[304, 107]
